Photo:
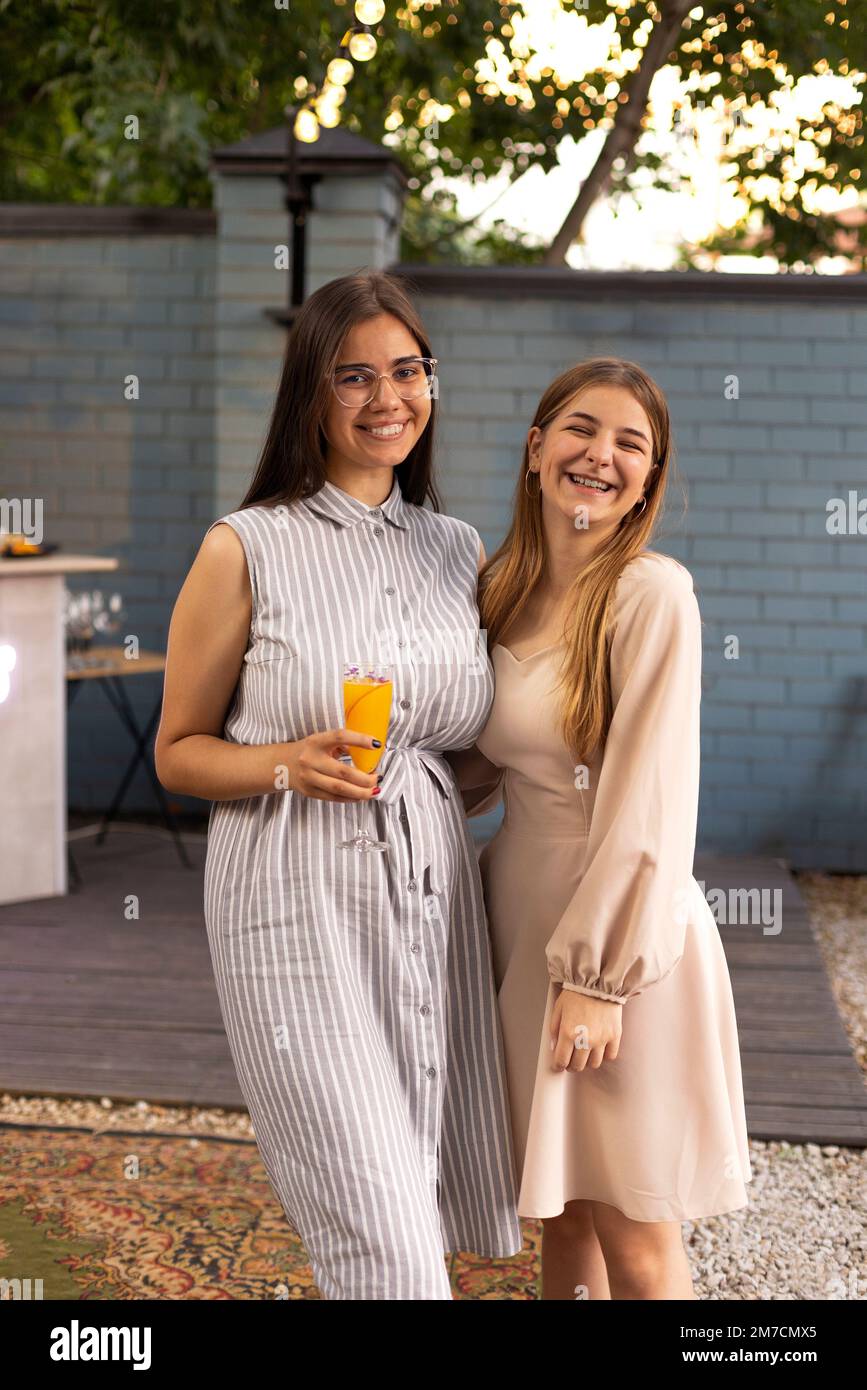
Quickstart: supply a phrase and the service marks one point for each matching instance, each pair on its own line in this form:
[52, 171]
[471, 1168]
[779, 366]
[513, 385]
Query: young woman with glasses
[355, 983]
[619, 1025]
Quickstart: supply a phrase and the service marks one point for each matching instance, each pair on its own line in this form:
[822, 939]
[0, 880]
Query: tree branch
[627, 125]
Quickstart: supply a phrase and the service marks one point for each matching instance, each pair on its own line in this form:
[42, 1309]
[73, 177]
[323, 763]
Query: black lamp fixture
[322, 108]
[298, 204]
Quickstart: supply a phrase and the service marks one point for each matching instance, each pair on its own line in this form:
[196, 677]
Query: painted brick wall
[784, 727]
[131, 479]
[142, 480]
[354, 224]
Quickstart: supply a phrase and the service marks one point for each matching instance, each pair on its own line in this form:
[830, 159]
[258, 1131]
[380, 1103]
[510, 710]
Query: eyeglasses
[357, 386]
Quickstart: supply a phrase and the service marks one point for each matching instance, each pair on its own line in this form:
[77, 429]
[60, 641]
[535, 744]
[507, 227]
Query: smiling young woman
[621, 1043]
[356, 988]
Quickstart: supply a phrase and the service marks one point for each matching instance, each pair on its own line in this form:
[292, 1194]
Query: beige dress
[591, 888]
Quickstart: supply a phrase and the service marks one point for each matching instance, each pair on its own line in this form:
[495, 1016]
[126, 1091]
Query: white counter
[33, 722]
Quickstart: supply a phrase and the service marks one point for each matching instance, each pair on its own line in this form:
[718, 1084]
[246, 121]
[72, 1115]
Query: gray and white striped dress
[357, 990]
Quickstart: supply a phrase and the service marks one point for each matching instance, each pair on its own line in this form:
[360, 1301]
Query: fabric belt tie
[401, 765]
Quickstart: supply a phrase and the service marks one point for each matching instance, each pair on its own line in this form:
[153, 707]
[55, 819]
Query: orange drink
[367, 691]
[367, 710]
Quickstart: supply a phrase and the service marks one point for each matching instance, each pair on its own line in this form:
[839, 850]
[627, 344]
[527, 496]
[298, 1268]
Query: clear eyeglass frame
[426, 388]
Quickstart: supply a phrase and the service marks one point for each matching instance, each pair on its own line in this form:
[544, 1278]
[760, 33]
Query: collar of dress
[333, 502]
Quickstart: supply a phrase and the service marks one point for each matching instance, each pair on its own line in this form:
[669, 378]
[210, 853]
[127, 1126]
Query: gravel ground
[838, 910]
[804, 1233]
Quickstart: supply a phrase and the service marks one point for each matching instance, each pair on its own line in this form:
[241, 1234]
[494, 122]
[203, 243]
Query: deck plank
[92, 1004]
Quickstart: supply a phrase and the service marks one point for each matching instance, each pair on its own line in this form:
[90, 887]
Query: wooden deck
[94, 1005]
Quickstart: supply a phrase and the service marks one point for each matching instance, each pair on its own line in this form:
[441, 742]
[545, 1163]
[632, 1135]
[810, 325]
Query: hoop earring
[526, 479]
[643, 509]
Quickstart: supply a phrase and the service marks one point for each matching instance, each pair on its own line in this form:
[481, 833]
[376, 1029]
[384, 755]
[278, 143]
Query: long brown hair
[292, 461]
[511, 574]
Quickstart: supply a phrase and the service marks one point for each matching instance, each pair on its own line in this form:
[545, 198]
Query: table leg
[117, 696]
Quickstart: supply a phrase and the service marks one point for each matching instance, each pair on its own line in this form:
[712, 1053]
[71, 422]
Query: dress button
[431, 1073]
[400, 642]
[390, 590]
[424, 1010]
[377, 530]
[412, 885]
[415, 948]
[404, 704]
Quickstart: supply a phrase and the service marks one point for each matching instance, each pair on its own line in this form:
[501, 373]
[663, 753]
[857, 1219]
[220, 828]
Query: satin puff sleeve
[479, 781]
[625, 926]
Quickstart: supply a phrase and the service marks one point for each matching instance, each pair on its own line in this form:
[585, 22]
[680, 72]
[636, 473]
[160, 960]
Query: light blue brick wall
[143, 480]
[784, 729]
[784, 733]
[247, 345]
[354, 224]
[130, 479]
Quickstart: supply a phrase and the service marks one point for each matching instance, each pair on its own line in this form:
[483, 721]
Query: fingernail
[552, 1044]
[379, 778]
[375, 791]
[376, 743]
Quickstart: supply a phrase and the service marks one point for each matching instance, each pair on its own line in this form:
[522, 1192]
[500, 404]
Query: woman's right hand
[314, 769]
[584, 1030]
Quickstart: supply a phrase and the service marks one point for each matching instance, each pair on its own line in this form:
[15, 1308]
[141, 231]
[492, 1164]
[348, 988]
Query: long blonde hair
[511, 574]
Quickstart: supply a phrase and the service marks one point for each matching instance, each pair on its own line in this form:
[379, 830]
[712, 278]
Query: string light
[334, 94]
[327, 116]
[369, 11]
[306, 126]
[328, 104]
[340, 71]
[362, 45]
[323, 107]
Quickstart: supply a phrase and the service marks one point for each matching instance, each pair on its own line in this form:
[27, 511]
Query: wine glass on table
[367, 692]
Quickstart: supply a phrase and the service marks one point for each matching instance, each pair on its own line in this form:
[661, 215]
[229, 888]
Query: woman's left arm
[625, 926]
[479, 781]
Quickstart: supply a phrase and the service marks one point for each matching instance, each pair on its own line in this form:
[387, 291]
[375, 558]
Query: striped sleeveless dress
[357, 991]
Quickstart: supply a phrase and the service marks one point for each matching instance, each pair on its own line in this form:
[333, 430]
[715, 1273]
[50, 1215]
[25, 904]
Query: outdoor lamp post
[298, 203]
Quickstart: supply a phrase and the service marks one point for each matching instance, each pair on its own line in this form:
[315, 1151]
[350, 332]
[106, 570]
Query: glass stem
[362, 818]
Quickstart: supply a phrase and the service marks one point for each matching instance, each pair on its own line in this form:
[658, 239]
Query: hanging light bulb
[306, 126]
[340, 71]
[333, 93]
[369, 11]
[328, 116]
[362, 47]
[328, 104]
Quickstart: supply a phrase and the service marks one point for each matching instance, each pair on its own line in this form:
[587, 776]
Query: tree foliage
[456, 88]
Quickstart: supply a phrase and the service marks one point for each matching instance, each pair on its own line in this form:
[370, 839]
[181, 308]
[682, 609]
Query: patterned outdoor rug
[112, 1216]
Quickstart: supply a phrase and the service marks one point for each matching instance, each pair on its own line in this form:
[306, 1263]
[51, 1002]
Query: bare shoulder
[221, 543]
[223, 566]
[236, 537]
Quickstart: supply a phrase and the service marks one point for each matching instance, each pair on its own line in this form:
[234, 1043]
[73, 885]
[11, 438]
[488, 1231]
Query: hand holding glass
[367, 693]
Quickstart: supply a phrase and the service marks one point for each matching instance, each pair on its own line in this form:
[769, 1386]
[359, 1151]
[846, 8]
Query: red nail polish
[376, 791]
